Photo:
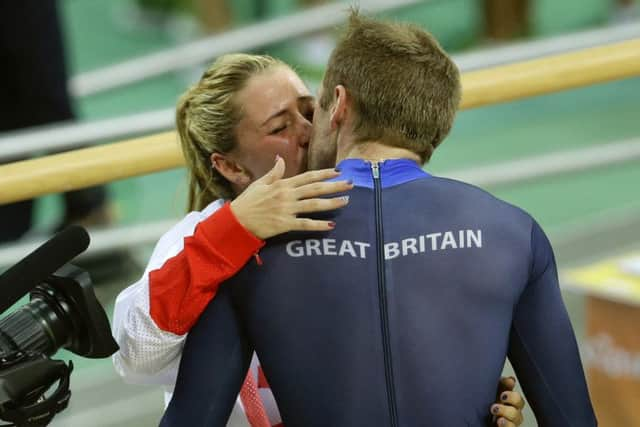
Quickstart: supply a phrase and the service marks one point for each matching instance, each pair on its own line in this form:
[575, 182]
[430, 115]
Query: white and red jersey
[152, 316]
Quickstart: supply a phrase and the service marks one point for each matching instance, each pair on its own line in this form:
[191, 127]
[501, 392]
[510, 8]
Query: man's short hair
[404, 88]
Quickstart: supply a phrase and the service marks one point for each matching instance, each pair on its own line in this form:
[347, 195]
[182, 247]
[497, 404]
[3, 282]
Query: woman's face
[276, 113]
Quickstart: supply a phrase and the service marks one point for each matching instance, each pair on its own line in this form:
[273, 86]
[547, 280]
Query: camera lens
[63, 312]
[40, 326]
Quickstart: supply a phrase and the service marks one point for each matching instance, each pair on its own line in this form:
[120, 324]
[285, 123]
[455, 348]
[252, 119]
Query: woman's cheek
[285, 147]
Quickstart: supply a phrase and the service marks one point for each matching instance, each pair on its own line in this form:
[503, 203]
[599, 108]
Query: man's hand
[507, 411]
[270, 205]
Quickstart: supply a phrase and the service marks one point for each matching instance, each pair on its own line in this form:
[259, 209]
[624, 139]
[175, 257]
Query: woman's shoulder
[188, 223]
[173, 239]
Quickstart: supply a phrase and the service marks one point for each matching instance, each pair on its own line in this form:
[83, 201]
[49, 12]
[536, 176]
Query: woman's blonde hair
[206, 118]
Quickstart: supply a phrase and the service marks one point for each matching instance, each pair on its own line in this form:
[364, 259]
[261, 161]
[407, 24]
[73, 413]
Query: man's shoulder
[478, 200]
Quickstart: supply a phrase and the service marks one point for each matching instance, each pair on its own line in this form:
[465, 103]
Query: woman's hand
[507, 411]
[270, 205]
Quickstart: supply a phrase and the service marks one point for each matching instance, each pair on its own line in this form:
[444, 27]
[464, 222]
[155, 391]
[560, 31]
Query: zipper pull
[375, 170]
[258, 259]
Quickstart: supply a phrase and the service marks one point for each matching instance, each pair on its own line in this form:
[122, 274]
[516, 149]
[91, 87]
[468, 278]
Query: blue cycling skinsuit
[403, 315]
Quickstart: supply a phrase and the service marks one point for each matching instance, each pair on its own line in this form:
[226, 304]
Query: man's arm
[543, 348]
[215, 360]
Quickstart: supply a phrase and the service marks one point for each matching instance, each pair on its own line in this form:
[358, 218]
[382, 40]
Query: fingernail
[495, 410]
[504, 396]
[332, 224]
[513, 378]
[346, 199]
[278, 157]
[502, 422]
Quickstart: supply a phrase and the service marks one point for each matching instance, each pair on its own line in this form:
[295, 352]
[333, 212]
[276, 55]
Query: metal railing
[491, 176]
[97, 165]
[66, 136]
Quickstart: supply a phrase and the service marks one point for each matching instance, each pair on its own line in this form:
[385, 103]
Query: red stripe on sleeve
[262, 379]
[181, 289]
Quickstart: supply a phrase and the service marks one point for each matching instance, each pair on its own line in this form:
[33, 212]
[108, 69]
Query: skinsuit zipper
[382, 297]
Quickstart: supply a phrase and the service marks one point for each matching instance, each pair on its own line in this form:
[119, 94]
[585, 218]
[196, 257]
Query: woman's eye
[278, 129]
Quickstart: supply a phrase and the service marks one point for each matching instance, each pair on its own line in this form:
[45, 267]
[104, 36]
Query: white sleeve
[148, 354]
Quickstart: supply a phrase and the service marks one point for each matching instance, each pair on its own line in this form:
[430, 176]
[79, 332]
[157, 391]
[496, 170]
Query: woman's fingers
[276, 172]
[507, 413]
[506, 384]
[503, 422]
[319, 205]
[270, 205]
[512, 398]
[309, 177]
[306, 224]
[322, 189]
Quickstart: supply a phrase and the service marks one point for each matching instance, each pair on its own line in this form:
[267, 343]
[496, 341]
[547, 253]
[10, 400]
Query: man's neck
[376, 151]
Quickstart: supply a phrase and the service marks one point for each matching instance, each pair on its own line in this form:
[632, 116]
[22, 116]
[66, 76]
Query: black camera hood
[93, 337]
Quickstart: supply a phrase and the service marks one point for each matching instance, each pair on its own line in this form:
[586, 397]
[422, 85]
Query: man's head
[385, 82]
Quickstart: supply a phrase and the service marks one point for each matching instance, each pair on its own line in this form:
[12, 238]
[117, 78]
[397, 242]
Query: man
[244, 111]
[411, 305]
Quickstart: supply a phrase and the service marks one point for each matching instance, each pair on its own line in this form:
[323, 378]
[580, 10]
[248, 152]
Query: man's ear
[338, 110]
[233, 171]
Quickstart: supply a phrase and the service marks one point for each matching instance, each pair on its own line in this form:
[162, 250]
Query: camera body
[63, 312]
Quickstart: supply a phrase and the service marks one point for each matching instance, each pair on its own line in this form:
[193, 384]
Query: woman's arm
[149, 353]
[190, 262]
[181, 289]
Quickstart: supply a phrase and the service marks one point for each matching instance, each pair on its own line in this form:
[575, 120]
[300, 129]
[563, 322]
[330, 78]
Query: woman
[246, 112]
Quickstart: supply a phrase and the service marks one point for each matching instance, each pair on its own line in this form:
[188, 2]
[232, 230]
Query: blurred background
[129, 60]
